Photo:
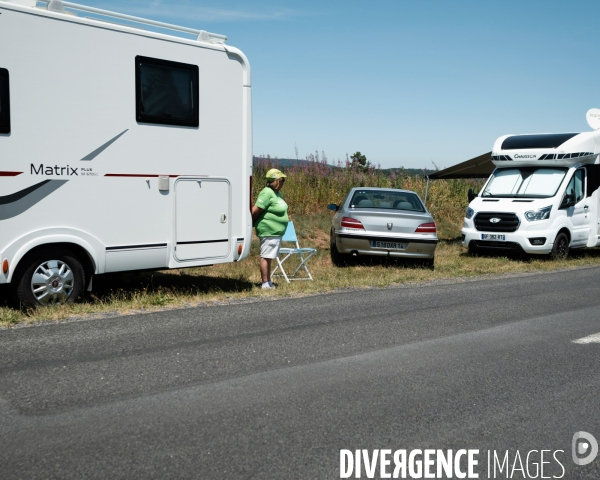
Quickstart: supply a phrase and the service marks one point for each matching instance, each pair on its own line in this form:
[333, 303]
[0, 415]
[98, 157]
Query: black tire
[560, 249]
[50, 276]
[337, 258]
[473, 249]
[429, 264]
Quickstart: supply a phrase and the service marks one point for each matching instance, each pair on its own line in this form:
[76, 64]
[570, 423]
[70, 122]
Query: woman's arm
[255, 211]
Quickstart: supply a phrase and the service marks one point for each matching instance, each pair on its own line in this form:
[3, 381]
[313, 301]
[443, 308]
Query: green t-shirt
[273, 220]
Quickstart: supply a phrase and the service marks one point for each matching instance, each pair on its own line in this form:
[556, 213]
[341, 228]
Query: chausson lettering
[525, 156]
[54, 171]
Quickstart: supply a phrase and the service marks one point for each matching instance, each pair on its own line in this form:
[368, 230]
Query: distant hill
[289, 162]
[283, 162]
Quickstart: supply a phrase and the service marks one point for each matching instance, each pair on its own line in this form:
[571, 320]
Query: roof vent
[56, 6]
[203, 36]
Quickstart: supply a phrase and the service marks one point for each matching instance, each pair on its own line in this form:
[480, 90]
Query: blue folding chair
[303, 253]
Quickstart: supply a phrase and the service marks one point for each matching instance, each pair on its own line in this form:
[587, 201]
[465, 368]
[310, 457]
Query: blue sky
[407, 82]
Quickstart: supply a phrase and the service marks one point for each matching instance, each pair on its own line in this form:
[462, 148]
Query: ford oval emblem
[494, 220]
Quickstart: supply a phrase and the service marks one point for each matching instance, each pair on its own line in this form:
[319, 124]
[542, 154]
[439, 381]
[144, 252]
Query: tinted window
[166, 92]
[383, 199]
[550, 140]
[4, 102]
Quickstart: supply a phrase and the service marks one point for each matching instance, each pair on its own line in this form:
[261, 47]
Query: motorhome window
[4, 102]
[524, 182]
[549, 140]
[166, 92]
[382, 199]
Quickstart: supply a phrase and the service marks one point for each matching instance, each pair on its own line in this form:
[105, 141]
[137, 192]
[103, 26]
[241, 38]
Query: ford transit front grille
[496, 222]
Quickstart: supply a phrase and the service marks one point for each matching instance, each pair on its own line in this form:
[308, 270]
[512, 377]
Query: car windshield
[529, 182]
[382, 199]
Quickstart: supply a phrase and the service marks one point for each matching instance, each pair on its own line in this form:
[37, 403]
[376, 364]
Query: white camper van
[121, 148]
[542, 198]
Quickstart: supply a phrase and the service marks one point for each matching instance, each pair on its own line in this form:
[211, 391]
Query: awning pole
[426, 191]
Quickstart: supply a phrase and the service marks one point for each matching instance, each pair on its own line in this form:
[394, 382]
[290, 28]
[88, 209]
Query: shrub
[311, 185]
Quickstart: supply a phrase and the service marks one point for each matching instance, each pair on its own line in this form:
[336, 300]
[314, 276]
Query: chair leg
[280, 266]
[303, 265]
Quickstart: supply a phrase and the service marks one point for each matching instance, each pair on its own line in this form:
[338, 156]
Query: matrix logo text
[53, 171]
[427, 463]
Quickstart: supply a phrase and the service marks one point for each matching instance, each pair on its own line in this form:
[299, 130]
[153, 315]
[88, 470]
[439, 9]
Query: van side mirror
[333, 206]
[471, 195]
[568, 201]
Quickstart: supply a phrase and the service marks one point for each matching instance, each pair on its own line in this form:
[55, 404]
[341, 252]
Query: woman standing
[270, 219]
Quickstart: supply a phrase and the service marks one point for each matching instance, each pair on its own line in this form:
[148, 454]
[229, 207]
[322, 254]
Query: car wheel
[429, 263]
[473, 249]
[337, 258]
[52, 276]
[560, 249]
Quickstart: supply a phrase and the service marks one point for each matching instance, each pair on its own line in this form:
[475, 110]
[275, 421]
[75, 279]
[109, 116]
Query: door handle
[585, 207]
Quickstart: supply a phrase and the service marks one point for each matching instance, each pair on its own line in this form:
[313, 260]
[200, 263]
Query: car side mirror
[333, 206]
[471, 195]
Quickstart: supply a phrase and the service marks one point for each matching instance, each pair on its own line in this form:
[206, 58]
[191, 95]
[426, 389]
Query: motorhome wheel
[50, 277]
[560, 249]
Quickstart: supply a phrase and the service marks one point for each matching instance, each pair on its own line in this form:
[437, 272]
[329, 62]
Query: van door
[202, 218]
[579, 213]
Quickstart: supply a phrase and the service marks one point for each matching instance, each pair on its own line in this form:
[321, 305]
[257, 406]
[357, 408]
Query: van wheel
[337, 258]
[473, 249]
[560, 249]
[50, 276]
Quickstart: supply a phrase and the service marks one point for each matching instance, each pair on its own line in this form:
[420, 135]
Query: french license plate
[493, 237]
[389, 245]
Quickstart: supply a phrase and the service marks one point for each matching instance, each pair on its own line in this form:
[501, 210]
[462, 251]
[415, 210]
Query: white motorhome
[121, 148]
[543, 196]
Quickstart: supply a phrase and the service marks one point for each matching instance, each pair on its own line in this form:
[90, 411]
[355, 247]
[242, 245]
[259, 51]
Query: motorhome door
[579, 212]
[202, 218]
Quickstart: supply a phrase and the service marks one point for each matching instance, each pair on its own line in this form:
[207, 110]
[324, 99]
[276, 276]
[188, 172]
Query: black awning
[478, 167]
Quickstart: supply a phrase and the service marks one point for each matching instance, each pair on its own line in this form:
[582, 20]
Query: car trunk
[390, 221]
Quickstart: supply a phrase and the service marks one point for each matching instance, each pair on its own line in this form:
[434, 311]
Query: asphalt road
[275, 389]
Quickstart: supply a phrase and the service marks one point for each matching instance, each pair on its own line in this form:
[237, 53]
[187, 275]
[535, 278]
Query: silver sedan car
[382, 222]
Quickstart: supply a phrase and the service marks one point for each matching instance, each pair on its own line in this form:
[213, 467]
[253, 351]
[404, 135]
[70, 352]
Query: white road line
[595, 338]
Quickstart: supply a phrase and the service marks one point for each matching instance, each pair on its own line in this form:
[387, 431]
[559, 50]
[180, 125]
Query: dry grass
[141, 292]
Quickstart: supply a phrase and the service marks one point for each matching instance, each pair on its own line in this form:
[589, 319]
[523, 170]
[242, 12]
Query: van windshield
[531, 182]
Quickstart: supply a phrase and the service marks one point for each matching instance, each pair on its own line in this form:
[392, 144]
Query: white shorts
[269, 247]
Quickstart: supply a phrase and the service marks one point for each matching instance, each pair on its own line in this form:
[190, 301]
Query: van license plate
[493, 237]
[389, 245]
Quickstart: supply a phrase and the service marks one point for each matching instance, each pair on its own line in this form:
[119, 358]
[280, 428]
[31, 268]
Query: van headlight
[469, 213]
[541, 214]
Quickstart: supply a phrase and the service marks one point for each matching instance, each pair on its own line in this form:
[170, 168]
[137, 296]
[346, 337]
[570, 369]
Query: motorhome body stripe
[10, 174]
[100, 149]
[18, 202]
[203, 241]
[149, 175]
[134, 247]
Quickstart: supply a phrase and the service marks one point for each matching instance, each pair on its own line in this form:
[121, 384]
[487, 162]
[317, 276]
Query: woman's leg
[265, 269]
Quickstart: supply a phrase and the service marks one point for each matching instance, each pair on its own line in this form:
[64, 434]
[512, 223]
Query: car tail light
[351, 223]
[426, 228]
